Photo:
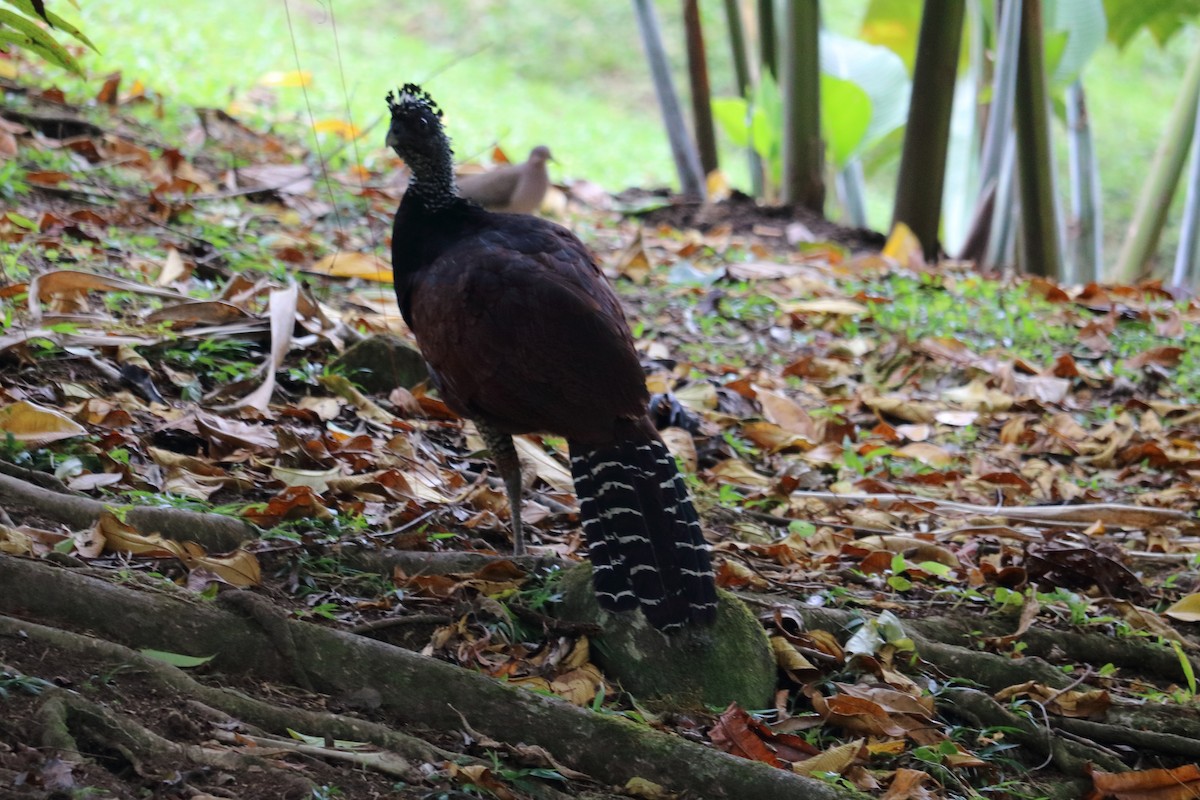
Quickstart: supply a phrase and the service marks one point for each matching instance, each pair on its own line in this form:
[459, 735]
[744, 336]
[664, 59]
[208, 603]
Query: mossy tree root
[411, 688]
[214, 532]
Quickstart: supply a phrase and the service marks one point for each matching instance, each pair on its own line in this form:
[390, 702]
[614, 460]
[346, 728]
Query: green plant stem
[1086, 231]
[803, 152]
[1003, 88]
[741, 67]
[1187, 257]
[1034, 166]
[1155, 199]
[926, 141]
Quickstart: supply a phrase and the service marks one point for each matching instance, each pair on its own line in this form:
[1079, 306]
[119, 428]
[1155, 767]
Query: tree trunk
[741, 67]
[926, 141]
[803, 152]
[687, 162]
[702, 119]
[768, 38]
[1187, 258]
[1035, 168]
[1086, 244]
[1155, 200]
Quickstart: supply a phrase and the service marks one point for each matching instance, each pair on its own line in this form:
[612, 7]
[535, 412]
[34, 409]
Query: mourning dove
[515, 188]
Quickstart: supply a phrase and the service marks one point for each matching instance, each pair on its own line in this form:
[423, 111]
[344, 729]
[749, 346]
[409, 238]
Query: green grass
[569, 74]
[991, 317]
[518, 95]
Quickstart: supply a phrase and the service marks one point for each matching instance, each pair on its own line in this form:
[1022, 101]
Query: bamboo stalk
[1085, 253]
[741, 68]
[1154, 202]
[702, 118]
[1003, 233]
[1039, 220]
[992, 224]
[966, 122]
[1187, 257]
[851, 184]
[687, 162]
[803, 151]
[768, 37]
[1003, 85]
[926, 140]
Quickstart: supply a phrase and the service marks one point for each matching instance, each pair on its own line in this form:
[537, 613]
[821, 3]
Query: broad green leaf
[1085, 26]
[1163, 18]
[769, 99]
[58, 22]
[936, 568]
[8, 37]
[896, 25]
[765, 133]
[845, 117]
[177, 659]
[1056, 46]
[730, 113]
[766, 124]
[876, 70]
[43, 43]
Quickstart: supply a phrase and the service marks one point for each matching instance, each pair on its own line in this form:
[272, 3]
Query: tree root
[410, 687]
[1070, 757]
[415, 689]
[990, 670]
[399, 754]
[1145, 741]
[949, 644]
[73, 726]
[1116, 515]
[1148, 658]
[225, 705]
[1168, 729]
[214, 532]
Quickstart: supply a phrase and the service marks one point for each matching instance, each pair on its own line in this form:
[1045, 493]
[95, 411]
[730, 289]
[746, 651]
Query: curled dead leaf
[1185, 609]
[37, 425]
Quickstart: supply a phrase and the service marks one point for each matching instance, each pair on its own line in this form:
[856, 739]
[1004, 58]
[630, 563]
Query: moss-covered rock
[729, 661]
[381, 363]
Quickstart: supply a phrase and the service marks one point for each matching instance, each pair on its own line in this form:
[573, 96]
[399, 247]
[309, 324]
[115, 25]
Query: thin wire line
[312, 121]
[375, 244]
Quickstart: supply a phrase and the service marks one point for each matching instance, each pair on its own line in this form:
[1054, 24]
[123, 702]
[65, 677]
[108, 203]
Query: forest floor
[236, 561]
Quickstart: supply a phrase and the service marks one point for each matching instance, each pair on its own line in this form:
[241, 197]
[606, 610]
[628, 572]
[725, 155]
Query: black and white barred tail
[643, 534]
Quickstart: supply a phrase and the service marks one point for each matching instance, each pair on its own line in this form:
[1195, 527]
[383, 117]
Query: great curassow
[523, 334]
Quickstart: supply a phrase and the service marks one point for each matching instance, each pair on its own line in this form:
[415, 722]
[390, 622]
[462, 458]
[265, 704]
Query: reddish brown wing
[544, 345]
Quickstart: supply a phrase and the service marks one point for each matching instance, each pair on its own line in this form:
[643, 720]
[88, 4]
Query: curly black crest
[411, 95]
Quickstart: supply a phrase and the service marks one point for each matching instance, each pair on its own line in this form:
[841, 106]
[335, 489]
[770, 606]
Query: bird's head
[540, 154]
[416, 129]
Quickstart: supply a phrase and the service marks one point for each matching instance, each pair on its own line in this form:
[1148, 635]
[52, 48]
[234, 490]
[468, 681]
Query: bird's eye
[424, 122]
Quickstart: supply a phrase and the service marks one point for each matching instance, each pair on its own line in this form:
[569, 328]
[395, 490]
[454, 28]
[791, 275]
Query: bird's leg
[504, 454]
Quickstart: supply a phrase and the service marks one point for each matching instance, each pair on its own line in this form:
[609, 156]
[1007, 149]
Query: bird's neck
[432, 183]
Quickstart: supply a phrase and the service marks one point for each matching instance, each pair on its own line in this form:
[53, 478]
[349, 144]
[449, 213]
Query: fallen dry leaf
[35, 425]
